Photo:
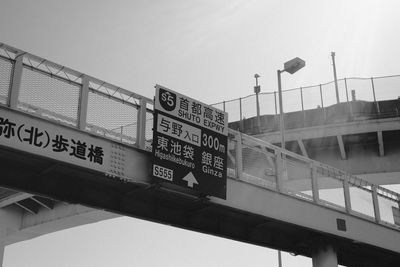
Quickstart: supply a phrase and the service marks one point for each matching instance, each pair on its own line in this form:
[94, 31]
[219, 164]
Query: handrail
[277, 162]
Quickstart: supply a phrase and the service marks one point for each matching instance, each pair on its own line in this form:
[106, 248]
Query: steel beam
[380, 142]
[302, 148]
[14, 198]
[16, 81]
[341, 147]
[83, 103]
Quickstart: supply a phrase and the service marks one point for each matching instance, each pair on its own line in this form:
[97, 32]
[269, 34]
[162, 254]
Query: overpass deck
[281, 200]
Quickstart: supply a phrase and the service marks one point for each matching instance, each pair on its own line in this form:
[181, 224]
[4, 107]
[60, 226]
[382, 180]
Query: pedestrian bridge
[67, 137]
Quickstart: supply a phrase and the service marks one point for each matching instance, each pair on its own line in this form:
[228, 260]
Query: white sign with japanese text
[37, 136]
[179, 130]
[191, 110]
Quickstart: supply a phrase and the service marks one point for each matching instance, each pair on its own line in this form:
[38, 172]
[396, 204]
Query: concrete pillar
[324, 256]
[2, 246]
[3, 235]
[10, 223]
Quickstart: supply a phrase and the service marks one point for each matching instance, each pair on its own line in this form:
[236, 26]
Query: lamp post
[257, 90]
[335, 77]
[291, 66]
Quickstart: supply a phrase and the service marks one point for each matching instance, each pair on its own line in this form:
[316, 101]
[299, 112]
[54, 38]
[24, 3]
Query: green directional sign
[189, 143]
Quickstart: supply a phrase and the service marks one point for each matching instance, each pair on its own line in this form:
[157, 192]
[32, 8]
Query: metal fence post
[314, 182]
[376, 204]
[373, 91]
[141, 124]
[320, 92]
[238, 157]
[16, 80]
[302, 106]
[322, 102]
[258, 114]
[301, 96]
[276, 108]
[346, 191]
[241, 115]
[279, 170]
[83, 103]
[347, 97]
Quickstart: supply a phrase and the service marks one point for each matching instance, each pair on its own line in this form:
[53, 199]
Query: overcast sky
[208, 50]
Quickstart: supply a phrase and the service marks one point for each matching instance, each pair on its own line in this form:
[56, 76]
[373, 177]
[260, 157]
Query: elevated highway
[275, 198]
[359, 137]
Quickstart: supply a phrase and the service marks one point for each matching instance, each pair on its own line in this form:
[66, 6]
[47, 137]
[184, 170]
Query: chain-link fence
[6, 66]
[320, 96]
[46, 89]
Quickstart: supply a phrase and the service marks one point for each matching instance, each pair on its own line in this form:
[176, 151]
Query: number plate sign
[189, 143]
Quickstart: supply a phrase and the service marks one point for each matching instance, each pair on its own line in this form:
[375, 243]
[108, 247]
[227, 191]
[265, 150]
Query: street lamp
[291, 66]
[257, 90]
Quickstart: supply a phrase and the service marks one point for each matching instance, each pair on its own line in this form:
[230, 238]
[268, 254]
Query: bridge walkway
[280, 200]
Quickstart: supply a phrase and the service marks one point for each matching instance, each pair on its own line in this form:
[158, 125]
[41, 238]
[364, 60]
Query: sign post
[189, 143]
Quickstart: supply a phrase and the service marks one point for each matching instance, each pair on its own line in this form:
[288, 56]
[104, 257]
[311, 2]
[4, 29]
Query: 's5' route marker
[189, 143]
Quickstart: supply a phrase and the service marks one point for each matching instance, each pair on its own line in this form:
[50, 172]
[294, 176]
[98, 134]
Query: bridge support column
[324, 256]
[2, 246]
[10, 223]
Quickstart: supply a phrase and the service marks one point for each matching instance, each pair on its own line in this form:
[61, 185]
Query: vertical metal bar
[347, 92]
[373, 91]
[16, 81]
[301, 95]
[302, 106]
[276, 106]
[314, 182]
[375, 202]
[141, 125]
[279, 170]
[335, 77]
[322, 102]
[241, 115]
[346, 190]
[239, 157]
[258, 114]
[347, 98]
[83, 103]
[282, 121]
[223, 103]
[320, 92]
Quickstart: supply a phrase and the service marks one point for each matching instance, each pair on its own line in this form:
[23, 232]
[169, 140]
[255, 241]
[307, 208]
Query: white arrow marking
[189, 178]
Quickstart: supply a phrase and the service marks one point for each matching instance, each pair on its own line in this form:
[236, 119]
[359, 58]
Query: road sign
[189, 143]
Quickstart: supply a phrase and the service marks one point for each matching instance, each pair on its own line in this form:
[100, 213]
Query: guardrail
[261, 163]
[46, 89]
[373, 89]
[42, 88]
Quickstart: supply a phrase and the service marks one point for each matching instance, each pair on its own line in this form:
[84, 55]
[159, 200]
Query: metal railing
[42, 88]
[372, 89]
[263, 164]
[46, 89]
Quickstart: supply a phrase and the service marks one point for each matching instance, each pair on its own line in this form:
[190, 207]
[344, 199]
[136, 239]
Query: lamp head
[294, 65]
